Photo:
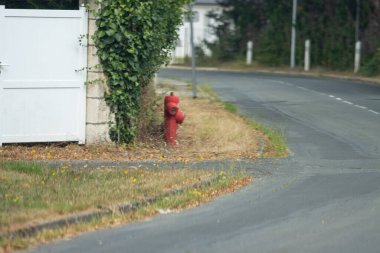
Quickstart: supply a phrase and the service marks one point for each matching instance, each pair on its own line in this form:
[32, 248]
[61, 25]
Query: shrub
[372, 67]
[134, 38]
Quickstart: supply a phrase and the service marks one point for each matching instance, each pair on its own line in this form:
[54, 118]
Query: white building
[201, 28]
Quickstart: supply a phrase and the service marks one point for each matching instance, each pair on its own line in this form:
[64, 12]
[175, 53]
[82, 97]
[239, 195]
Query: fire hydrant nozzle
[173, 117]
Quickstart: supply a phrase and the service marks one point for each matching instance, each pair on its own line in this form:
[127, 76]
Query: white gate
[42, 86]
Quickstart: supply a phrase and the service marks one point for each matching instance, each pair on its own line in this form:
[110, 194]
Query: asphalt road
[324, 198]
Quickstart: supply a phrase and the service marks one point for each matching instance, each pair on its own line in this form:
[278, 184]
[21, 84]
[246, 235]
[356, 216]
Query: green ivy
[134, 38]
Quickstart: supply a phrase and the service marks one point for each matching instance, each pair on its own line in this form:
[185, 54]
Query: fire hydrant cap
[180, 117]
[171, 108]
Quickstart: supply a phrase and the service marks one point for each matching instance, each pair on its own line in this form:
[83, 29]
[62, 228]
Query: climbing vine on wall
[133, 39]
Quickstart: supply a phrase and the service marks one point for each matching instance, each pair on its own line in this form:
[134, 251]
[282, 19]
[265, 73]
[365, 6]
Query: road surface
[324, 198]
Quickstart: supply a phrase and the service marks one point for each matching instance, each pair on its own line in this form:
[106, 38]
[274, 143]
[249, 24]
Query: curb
[88, 216]
[373, 81]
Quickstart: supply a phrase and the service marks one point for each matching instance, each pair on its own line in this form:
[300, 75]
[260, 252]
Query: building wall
[202, 31]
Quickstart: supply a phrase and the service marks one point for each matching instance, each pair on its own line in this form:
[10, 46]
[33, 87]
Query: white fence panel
[42, 93]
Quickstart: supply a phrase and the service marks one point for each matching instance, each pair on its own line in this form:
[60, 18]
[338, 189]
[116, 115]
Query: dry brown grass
[211, 130]
[32, 193]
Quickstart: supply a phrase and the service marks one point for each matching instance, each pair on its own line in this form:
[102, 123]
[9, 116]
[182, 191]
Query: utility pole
[193, 73]
[358, 44]
[293, 45]
[357, 21]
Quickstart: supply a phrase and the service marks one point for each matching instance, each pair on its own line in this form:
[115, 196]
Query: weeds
[275, 140]
[230, 107]
[23, 167]
[276, 144]
[223, 182]
[29, 197]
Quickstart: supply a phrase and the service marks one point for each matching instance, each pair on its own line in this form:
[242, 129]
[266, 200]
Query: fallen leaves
[205, 135]
[51, 152]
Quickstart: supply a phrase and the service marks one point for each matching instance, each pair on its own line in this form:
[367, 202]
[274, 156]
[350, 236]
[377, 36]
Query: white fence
[42, 90]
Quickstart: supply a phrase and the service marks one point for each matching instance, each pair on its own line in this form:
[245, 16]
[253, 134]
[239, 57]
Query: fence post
[2, 10]
[307, 55]
[358, 47]
[249, 52]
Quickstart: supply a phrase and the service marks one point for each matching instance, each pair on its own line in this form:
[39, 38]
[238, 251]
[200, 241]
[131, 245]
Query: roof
[213, 2]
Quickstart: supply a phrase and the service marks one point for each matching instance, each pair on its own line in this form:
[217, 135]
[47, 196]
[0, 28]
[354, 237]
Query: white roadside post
[358, 48]
[249, 52]
[307, 55]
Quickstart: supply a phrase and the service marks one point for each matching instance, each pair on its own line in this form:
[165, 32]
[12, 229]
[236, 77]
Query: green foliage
[332, 33]
[232, 27]
[273, 42]
[372, 67]
[228, 106]
[134, 38]
[330, 25]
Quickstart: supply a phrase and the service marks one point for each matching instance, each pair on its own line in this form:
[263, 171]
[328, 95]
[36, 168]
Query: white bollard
[358, 48]
[307, 55]
[249, 52]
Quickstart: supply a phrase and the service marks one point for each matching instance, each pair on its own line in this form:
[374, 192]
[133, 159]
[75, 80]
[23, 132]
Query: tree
[330, 25]
[241, 20]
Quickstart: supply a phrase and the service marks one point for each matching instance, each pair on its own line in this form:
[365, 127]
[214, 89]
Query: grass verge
[211, 130]
[275, 143]
[31, 193]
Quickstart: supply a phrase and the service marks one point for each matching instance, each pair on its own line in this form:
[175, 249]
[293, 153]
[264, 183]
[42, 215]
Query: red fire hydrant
[173, 117]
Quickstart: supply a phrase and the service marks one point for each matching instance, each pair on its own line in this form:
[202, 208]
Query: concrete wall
[98, 113]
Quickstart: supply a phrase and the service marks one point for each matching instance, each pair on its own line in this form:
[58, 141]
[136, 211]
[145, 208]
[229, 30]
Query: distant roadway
[324, 198]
